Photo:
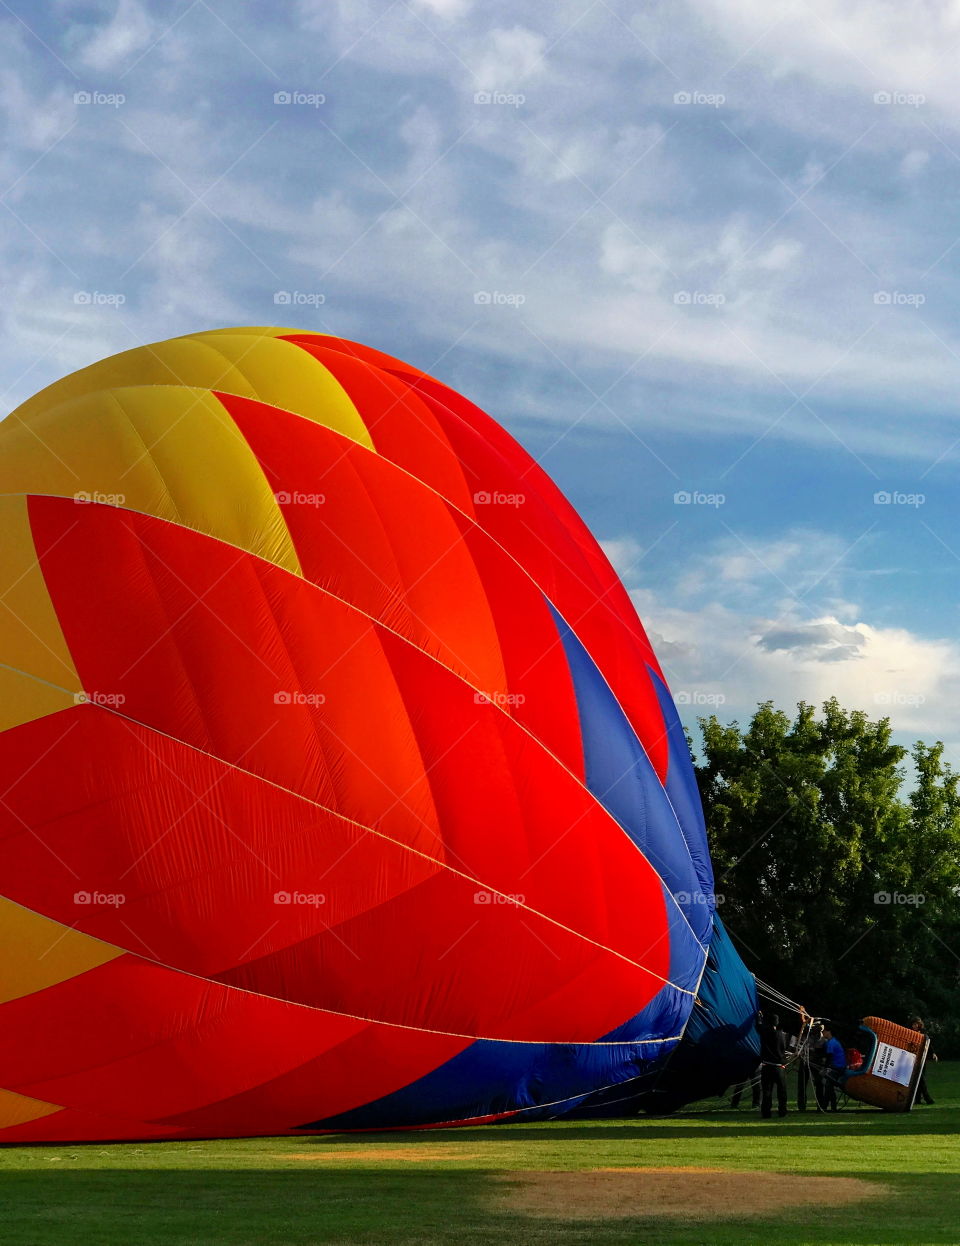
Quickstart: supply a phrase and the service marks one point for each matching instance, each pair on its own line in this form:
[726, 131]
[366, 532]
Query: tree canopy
[839, 880]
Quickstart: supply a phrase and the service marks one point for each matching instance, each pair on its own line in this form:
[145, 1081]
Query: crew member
[773, 1063]
[923, 1094]
[835, 1067]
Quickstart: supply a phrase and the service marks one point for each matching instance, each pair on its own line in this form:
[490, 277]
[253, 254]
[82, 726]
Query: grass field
[453, 1186]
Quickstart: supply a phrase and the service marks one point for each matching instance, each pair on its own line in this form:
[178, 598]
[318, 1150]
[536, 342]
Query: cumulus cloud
[823, 640]
[727, 651]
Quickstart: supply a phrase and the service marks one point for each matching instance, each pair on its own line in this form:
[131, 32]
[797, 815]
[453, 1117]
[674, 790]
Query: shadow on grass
[851, 1122]
[270, 1208]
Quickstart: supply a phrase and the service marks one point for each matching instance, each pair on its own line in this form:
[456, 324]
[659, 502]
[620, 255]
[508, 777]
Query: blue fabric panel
[620, 776]
[682, 789]
[489, 1077]
[721, 1045]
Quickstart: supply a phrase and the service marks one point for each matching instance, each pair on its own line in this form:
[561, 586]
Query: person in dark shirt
[923, 1094]
[773, 1057]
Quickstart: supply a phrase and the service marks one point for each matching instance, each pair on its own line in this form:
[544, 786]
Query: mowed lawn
[454, 1186]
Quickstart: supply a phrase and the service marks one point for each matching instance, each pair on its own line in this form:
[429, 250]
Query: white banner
[893, 1063]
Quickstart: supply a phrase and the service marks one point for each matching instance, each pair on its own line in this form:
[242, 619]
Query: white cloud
[730, 637]
[34, 119]
[624, 554]
[113, 46]
[880, 45]
[448, 9]
[509, 59]
[914, 163]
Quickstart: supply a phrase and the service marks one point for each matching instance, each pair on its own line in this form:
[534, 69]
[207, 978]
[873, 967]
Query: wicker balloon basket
[892, 1066]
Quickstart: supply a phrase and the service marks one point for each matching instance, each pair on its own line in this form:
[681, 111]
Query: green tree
[842, 893]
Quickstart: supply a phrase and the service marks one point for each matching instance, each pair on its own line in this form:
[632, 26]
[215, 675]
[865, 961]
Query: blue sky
[708, 250]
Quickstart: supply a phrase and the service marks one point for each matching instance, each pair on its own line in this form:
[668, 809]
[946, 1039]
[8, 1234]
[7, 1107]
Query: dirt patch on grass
[691, 1193]
[418, 1154]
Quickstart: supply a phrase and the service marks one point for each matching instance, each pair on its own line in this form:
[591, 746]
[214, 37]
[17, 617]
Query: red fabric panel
[488, 970]
[198, 885]
[451, 591]
[71, 1126]
[230, 1041]
[200, 638]
[547, 537]
[541, 690]
[511, 817]
[354, 350]
[399, 423]
[106, 1014]
[528, 474]
[130, 1040]
[197, 850]
[514, 819]
[553, 545]
[378, 539]
[368, 1065]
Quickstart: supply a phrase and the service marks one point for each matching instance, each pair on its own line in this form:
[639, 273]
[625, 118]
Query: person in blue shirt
[836, 1065]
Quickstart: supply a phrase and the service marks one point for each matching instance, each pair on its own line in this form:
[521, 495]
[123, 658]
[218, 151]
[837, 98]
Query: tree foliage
[839, 881]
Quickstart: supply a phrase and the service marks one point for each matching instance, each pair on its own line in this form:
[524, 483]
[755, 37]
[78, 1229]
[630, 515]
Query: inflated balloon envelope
[342, 786]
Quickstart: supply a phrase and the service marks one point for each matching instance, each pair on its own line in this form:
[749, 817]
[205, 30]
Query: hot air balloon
[341, 786]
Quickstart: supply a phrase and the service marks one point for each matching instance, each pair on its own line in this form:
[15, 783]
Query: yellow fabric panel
[24, 698]
[18, 1109]
[165, 450]
[31, 640]
[252, 363]
[39, 952]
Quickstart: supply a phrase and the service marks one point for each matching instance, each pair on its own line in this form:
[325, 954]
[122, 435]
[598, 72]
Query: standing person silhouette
[773, 1057]
[923, 1094]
